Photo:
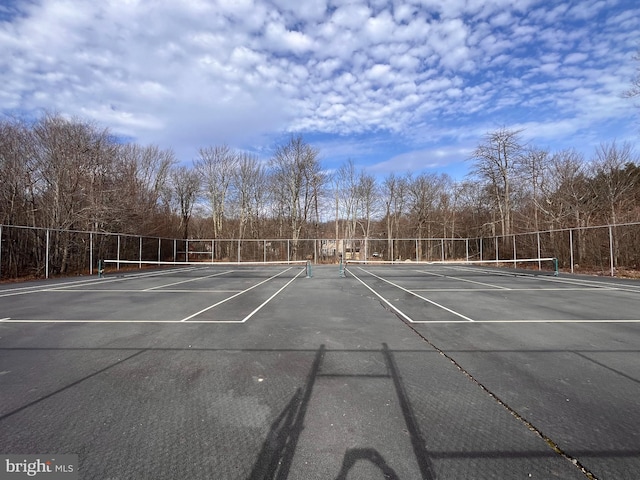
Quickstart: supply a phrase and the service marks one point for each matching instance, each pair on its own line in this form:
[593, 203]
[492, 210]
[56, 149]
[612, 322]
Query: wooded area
[74, 175]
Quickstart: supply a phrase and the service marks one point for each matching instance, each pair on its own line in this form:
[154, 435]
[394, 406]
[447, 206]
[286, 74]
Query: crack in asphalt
[554, 446]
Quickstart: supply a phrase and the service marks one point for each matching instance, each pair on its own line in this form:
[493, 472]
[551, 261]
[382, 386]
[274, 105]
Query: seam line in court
[392, 306]
[553, 445]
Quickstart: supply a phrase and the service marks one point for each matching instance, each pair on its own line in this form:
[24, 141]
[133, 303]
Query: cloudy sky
[395, 86]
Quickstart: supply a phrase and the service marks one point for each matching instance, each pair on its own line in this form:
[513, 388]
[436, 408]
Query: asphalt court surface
[404, 373]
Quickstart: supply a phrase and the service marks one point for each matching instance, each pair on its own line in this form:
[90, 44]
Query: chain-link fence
[27, 252]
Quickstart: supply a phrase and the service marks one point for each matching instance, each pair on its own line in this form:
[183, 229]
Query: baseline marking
[233, 296]
[551, 289]
[419, 296]
[439, 322]
[519, 321]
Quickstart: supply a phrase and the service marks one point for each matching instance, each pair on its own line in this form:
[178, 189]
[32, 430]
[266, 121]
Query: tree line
[72, 174]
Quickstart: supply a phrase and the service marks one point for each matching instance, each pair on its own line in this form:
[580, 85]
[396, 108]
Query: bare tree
[347, 186]
[564, 194]
[142, 185]
[394, 197]
[616, 177]
[367, 201]
[17, 207]
[495, 162]
[425, 193]
[249, 188]
[186, 186]
[531, 168]
[216, 167]
[296, 172]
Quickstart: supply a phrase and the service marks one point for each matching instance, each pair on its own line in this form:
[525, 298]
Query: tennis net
[196, 269]
[520, 266]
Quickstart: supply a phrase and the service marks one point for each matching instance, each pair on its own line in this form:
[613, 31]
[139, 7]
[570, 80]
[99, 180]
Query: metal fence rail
[30, 252]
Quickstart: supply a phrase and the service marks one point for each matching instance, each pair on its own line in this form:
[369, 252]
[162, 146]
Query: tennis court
[284, 371]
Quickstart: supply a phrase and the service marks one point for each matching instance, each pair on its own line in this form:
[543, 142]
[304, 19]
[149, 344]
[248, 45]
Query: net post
[100, 268]
[555, 267]
[342, 275]
[308, 267]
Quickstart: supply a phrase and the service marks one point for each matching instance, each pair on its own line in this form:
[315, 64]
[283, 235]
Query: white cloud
[184, 74]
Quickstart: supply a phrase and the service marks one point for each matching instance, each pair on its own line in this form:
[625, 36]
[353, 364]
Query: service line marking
[550, 289]
[233, 296]
[187, 281]
[89, 281]
[419, 296]
[464, 280]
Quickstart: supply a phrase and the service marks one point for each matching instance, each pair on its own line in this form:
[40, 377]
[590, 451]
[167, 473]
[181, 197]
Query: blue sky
[395, 86]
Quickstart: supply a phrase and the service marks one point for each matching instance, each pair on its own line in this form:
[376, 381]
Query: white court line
[557, 289]
[391, 305]
[5, 319]
[464, 280]
[233, 296]
[416, 295]
[171, 290]
[187, 281]
[593, 283]
[89, 281]
[270, 298]
[520, 321]
[435, 322]
[180, 322]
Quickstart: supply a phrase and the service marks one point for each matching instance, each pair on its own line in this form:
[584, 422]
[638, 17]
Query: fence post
[46, 256]
[466, 241]
[159, 244]
[140, 254]
[611, 251]
[118, 255]
[571, 248]
[539, 256]
[90, 253]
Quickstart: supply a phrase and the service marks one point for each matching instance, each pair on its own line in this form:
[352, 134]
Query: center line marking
[233, 296]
